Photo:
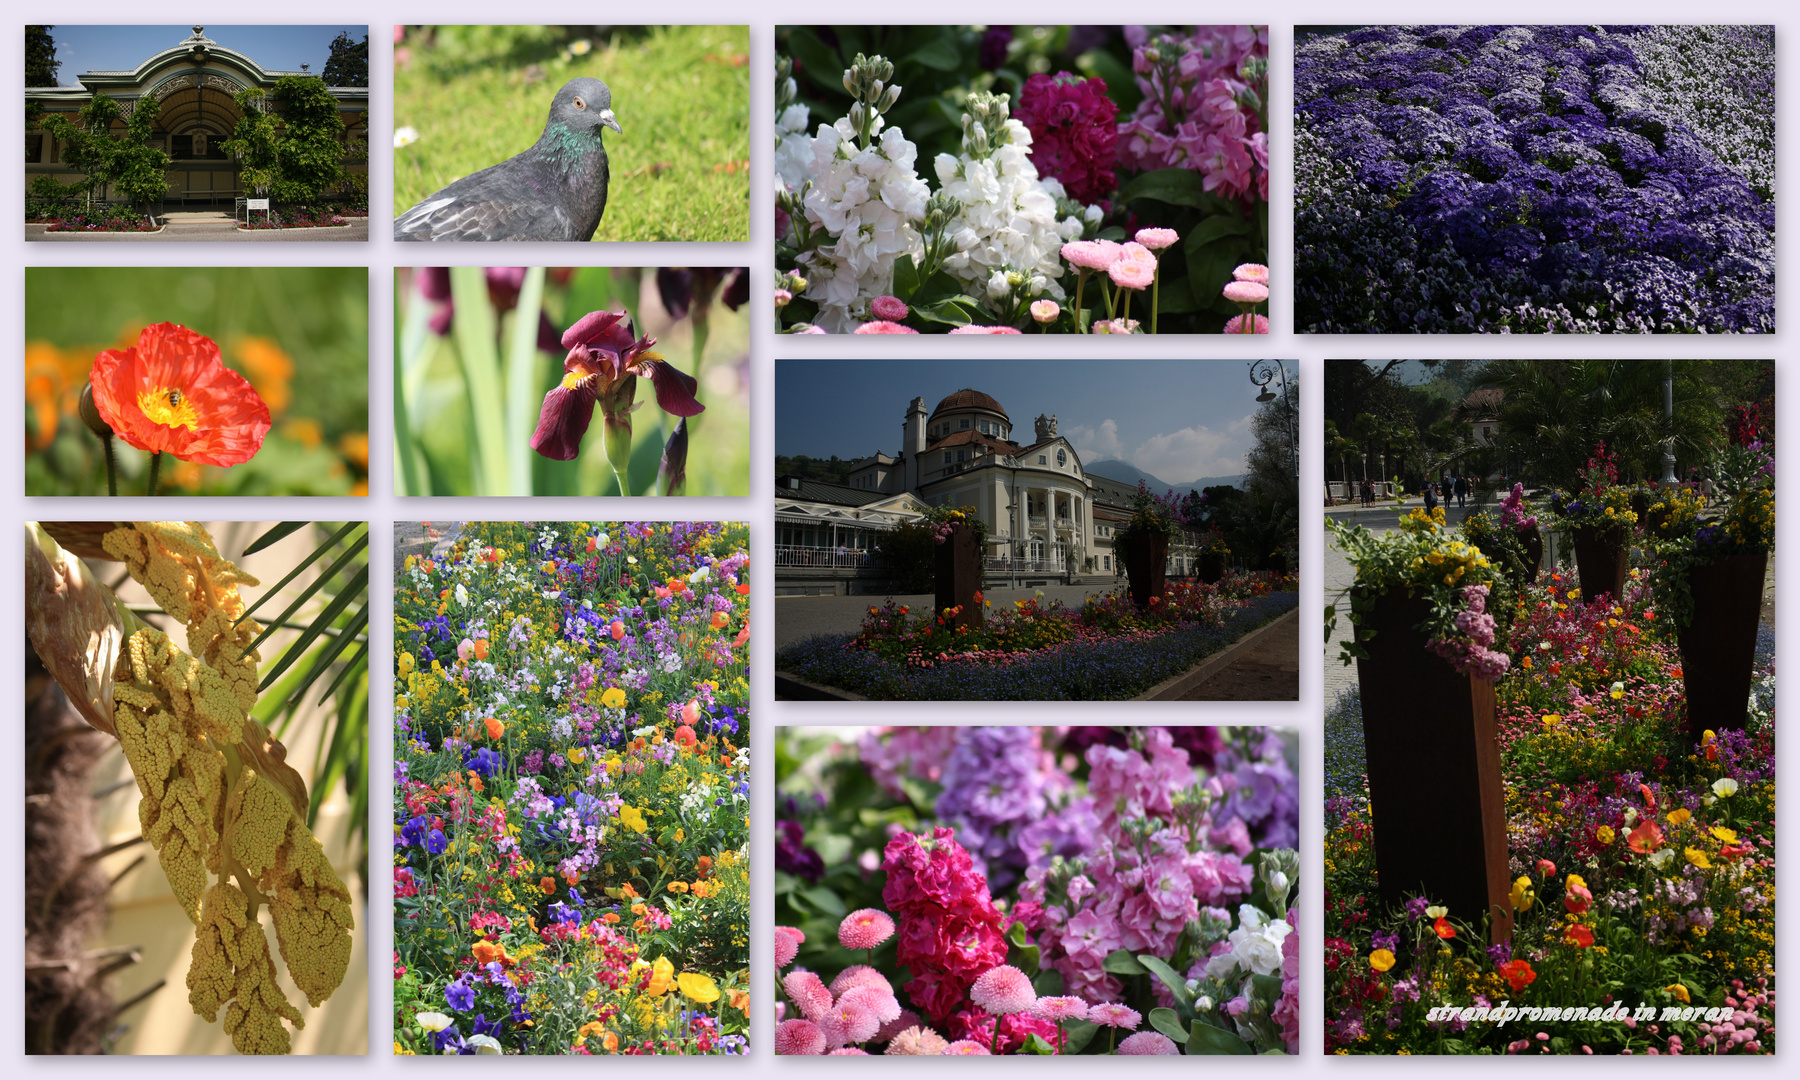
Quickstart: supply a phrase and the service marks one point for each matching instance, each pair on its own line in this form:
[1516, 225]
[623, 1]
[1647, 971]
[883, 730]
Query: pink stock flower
[1091, 254]
[882, 327]
[865, 929]
[891, 308]
[1156, 239]
[1074, 132]
[1045, 311]
[1246, 292]
[807, 991]
[1256, 272]
[1235, 324]
[1148, 1042]
[783, 298]
[1113, 1015]
[787, 945]
[1003, 991]
[984, 330]
[797, 1037]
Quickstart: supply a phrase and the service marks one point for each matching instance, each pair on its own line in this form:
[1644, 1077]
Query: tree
[253, 142]
[41, 63]
[348, 64]
[299, 158]
[1266, 521]
[127, 162]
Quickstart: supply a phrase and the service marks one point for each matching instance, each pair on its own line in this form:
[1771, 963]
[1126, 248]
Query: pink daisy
[881, 1002]
[965, 1046]
[808, 993]
[1045, 311]
[916, 1040]
[1114, 1015]
[794, 1037]
[1003, 990]
[859, 975]
[1131, 274]
[1246, 292]
[848, 1051]
[882, 327]
[1148, 1042]
[1091, 254]
[1114, 326]
[787, 945]
[1235, 324]
[868, 927]
[894, 1028]
[848, 1022]
[1256, 272]
[1156, 239]
[1058, 1009]
[891, 308]
[984, 330]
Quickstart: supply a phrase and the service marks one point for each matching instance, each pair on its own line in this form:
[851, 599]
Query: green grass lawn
[680, 169]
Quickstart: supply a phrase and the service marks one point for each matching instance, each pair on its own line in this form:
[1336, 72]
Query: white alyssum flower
[868, 200]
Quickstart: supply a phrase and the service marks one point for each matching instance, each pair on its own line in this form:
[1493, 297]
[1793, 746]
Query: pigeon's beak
[607, 118]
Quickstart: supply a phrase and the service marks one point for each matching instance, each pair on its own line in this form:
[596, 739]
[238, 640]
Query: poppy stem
[112, 465]
[155, 467]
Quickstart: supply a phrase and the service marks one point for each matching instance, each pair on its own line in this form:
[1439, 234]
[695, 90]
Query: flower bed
[297, 218]
[1535, 179]
[102, 223]
[1644, 861]
[572, 791]
[1105, 650]
[1016, 890]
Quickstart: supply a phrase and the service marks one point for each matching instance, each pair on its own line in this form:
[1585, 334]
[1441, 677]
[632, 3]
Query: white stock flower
[867, 199]
[793, 146]
[1008, 218]
[1255, 945]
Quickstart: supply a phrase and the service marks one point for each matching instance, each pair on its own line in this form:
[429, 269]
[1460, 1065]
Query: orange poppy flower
[172, 394]
[1518, 973]
[1579, 936]
[495, 728]
[610, 917]
[703, 866]
[1646, 838]
[684, 736]
[743, 588]
[1443, 928]
[481, 649]
[719, 620]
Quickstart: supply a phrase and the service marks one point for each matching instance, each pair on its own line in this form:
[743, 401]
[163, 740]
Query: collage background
[381, 508]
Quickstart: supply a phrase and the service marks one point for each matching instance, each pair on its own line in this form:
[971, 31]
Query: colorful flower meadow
[571, 778]
[1105, 649]
[1520, 179]
[1643, 860]
[1016, 890]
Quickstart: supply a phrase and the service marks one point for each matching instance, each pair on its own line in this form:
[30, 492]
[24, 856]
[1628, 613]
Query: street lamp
[1262, 373]
[1668, 454]
[1012, 545]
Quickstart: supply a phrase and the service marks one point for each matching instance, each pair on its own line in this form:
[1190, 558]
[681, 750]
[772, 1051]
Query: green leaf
[357, 586]
[278, 532]
[1026, 953]
[1171, 979]
[820, 60]
[1177, 187]
[956, 311]
[825, 900]
[1049, 983]
[1035, 1044]
[317, 553]
[1213, 229]
[1077, 1035]
[939, 55]
[1167, 1022]
[906, 278]
[1121, 962]
[1203, 1038]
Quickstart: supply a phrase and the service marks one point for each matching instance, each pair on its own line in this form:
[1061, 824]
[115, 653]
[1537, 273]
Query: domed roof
[969, 399]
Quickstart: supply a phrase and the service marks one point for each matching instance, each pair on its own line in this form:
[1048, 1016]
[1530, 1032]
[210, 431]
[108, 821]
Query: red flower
[1443, 928]
[604, 362]
[1518, 973]
[172, 394]
[1579, 936]
[1646, 838]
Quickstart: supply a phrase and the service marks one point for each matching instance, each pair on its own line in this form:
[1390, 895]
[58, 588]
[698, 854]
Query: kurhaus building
[1047, 517]
[194, 82]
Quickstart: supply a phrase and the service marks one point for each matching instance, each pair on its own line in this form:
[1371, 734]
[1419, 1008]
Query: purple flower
[460, 995]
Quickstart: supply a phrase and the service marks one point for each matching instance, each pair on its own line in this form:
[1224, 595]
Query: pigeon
[554, 190]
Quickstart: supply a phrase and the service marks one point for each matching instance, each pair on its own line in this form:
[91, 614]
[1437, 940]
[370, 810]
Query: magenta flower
[1148, 1042]
[984, 330]
[798, 1037]
[865, 929]
[1074, 132]
[881, 326]
[603, 365]
[1113, 1015]
[1003, 991]
[889, 308]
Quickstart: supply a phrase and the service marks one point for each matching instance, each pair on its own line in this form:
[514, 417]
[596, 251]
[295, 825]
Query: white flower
[432, 1021]
[867, 199]
[1255, 945]
[462, 595]
[793, 146]
[405, 136]
[1662, 858]
[699, 575]
[1725, 787]
[485, 1044]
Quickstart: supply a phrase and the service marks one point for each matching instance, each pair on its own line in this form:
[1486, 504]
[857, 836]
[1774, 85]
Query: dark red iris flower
[603, 365]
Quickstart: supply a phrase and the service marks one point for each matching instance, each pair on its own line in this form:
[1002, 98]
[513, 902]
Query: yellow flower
[633, 819]
[662, 976]
[613, 698]
[698, 987]
[1726, 836]
[1605, 835]
[1552, 719]
[1436, 912]
[575, 754]
[407, 663]
[1381, 959]
[1576, 881]
[1679, 815]
[1523, 894]
[1678, 992]
[1698, 858]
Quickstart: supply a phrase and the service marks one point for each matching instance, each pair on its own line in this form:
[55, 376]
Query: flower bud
[90, 414]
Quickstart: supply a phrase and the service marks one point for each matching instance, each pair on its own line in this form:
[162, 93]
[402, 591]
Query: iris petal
[674, 389]
[562, 422]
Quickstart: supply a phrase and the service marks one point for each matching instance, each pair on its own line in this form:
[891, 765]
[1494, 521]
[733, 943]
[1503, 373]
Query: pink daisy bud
[880, 326]
[1091, 254]
[787, 945]
[1058, 1009]
[1003, 990]
[808, 993]
[865, 929]
[1235, 324]
[891, 308]
[1256, 272]
[1246, 292]
[794, 1037]
[848, 1022]
[1114, 1015]
[1156, 239]
[1045, 311]
[1148, 1042]
[984, 330]
[965, 1046]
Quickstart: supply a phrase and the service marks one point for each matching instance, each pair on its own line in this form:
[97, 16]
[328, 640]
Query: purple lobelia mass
[1535, 179]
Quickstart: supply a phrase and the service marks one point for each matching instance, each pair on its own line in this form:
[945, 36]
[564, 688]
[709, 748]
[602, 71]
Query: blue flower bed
[1497, 179]
[1074, 672]
[1346, 763]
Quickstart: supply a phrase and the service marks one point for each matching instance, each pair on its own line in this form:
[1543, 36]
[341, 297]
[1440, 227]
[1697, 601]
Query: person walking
[1462, 491]
[1431, 498]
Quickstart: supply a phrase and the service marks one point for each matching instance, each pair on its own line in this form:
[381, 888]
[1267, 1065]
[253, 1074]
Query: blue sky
[1178, 420]
[122, 48]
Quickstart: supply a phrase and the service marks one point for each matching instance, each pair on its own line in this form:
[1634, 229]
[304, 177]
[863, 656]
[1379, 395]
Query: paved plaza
[211, 228]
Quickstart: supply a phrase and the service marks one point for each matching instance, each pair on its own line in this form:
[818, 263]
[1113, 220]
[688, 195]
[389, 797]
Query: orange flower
[743, 588]
[610, 917]
[548, 885]
[703, 866]
[481, 649]
[719, 620]
[172, 394]
[629, 890]
[573, 877]
[1518, 973]
[610, 1041]
[1443, 928]
[495, 728]
[1646, 838]
[684, 736]
[740, 1000]
[678, 886]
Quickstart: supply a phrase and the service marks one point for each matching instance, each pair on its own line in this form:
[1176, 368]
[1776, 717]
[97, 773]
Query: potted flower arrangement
[1598, 518]
[1427, 657]
[1711, 577]
[961, 538]
[1214, 553]
[1512, 543]
[1143, 544]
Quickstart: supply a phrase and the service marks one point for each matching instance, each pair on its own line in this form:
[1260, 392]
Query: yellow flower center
[169, 407]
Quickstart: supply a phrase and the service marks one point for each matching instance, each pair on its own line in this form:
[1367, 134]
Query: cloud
[1097, 444]
[1194, 452]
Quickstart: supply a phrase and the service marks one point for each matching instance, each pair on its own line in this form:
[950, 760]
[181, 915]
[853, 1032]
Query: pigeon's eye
[580, 104]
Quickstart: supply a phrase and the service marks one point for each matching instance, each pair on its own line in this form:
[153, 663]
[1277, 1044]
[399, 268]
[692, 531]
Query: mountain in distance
[1126, 473]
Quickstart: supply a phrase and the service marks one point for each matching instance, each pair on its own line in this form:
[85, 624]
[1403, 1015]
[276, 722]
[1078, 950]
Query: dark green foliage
[41, 63]
[124, 161]
[294, 153]
[833, 470]
[349, 62]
